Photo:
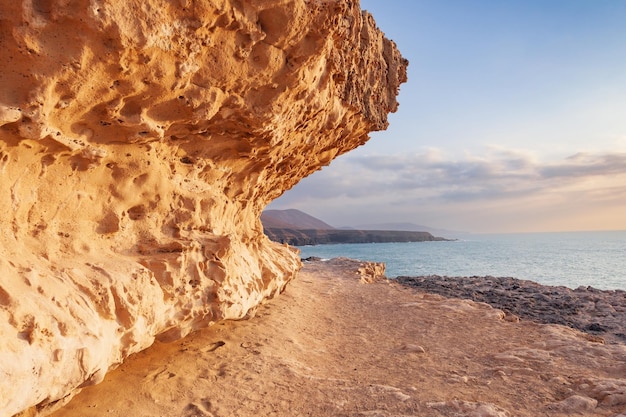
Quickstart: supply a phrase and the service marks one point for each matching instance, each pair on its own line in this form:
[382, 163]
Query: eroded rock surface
[139, 143]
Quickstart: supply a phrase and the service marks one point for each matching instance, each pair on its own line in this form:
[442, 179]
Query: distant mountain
[297, 228]
[292, 219]
[408, 227]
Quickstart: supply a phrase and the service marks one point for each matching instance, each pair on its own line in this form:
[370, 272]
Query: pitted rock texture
[139, 143]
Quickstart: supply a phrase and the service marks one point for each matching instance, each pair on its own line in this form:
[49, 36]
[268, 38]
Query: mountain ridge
[292, 219]
[298, 228]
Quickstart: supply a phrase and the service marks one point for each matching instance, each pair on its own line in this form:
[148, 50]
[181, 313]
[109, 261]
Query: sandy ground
[333, 346]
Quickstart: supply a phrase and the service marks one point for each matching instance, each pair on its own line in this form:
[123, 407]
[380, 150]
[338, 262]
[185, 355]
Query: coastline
[578, 259]
[313, 237]
[344, 341]
[599, 313]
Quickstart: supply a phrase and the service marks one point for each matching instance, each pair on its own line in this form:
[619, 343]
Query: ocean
[571, 259]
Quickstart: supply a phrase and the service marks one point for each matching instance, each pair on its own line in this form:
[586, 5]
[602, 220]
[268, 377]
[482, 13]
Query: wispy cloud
[585, 165]
[502, 173]
[497, 177]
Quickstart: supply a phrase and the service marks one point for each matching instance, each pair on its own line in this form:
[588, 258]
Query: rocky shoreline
[303, 237]
[599, 313]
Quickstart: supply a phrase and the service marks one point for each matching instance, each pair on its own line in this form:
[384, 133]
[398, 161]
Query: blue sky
[513, 120]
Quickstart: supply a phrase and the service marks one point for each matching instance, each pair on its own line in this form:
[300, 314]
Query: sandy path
[332, 346]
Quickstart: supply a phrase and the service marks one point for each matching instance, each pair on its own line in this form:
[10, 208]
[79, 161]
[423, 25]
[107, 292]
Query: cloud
[499, 174]
[498, 180]
[585, 165]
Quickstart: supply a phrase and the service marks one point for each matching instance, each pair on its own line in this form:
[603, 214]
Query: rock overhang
[139, 143]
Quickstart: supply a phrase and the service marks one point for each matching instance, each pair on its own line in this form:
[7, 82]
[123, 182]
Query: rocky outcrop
[302, 237]
[368, 272]
[599, 313]
[297, 228]
[139, 143]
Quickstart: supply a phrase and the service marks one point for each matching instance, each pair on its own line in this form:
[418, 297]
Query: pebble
[575, 404]
[613, 400]
[466, 408]
[413, 348]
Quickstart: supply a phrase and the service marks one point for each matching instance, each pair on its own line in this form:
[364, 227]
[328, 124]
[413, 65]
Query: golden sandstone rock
[139, 143]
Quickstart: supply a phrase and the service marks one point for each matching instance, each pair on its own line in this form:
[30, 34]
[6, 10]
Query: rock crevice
[139, 143]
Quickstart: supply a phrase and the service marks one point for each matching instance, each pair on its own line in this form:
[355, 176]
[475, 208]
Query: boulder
[139, 143]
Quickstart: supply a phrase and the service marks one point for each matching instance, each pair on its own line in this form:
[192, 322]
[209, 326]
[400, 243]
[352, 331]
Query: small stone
[401, 396]
[575, 404]
[613, 400]
[510, 317]
[413, 348]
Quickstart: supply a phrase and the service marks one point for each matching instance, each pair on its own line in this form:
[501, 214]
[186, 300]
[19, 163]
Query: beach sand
[331, 345]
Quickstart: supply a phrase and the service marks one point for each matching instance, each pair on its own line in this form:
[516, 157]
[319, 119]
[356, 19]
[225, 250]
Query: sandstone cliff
[139, 143]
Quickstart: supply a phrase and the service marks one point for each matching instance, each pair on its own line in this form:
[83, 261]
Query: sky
[513, 120]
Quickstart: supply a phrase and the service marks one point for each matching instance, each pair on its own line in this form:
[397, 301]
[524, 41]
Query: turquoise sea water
[572, 259]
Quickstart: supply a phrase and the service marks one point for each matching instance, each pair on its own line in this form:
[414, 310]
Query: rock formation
[303, 237]
[599, 313]
[297, 228]
[139, 143]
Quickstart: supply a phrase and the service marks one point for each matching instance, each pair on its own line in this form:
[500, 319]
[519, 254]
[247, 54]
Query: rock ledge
[139, 143]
